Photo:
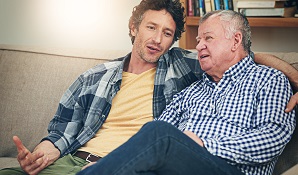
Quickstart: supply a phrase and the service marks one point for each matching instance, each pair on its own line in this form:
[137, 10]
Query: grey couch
[32, 80]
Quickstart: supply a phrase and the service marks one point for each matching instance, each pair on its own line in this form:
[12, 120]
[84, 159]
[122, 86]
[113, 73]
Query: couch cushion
[8, 162]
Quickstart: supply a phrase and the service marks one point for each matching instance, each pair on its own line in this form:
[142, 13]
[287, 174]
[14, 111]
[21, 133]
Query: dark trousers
[160, 148]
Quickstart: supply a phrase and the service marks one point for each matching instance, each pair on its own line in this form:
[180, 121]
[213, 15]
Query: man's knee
[158, 125]
[160, 128]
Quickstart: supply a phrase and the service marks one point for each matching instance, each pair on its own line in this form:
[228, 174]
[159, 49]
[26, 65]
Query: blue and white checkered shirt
[241, 119]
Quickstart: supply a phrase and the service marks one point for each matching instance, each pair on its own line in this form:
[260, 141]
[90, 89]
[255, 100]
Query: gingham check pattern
[240, 119]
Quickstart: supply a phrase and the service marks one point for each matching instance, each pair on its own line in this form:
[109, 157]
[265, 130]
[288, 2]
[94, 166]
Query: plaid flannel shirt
[86, 104]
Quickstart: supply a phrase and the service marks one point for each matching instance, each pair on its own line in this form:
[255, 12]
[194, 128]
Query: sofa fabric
[33, 81]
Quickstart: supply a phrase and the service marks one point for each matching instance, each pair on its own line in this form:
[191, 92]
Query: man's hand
[292, 103]
[42, 156]
[194, 137]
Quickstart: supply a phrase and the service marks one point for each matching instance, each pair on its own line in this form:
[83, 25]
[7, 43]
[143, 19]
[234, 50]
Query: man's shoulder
[103, 68]
[182, 53]
[267, 74]
[266, 70]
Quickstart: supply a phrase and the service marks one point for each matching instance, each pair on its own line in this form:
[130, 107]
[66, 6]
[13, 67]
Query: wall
[89, 24]
[97, 24]
[274, 39]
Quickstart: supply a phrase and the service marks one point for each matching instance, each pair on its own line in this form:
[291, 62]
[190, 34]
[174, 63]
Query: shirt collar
[118, 76]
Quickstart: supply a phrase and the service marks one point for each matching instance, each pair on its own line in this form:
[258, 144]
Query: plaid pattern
[240, 119]
[86, 104]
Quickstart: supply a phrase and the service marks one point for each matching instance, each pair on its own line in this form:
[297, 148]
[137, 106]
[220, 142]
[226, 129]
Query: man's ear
[237, 41]
[133, 30]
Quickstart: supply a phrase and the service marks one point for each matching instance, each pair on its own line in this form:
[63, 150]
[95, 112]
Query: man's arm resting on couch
[286, 68]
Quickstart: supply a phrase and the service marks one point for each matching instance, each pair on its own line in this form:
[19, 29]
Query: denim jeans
[160, 148]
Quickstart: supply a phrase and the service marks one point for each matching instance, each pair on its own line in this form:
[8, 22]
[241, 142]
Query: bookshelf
[187, 40]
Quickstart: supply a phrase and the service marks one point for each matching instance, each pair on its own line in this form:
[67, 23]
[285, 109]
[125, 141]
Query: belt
[87, 156]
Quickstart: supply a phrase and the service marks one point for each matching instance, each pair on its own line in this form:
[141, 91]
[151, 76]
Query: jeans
[160, 148]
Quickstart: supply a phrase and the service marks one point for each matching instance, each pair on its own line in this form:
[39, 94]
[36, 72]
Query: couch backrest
[31, 85]
[290, 57]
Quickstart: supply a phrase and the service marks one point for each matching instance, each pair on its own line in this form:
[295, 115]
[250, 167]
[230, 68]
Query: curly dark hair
[173, 7]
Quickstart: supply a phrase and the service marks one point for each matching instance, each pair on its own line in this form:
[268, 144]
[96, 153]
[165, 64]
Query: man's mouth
[153, 48]
[203, 56]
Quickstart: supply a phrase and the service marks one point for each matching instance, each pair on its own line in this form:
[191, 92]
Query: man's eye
[168, 34]
[151, 27]
[208, 38]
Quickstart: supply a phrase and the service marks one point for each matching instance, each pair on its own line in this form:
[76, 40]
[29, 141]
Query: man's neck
[137, 66]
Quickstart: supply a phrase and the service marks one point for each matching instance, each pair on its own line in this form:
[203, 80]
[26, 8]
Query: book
[222, 5]
[235, 5]
[260, 4]
[281, 12]
[208, 6]
[231, 5]
[226, 4]
[190, 8]
[212, 5]
[202, 7]
[217, 4]
[196, 5]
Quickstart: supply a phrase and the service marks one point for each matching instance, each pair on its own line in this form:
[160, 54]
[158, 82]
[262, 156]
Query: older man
[230, 122]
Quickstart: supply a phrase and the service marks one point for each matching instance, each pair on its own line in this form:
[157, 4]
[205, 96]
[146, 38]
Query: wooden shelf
[256, 22]
[187, 40]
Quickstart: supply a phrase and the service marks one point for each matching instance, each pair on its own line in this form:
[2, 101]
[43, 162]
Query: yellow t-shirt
[131, 109]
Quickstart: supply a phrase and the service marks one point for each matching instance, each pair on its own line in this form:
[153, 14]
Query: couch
[32, 80]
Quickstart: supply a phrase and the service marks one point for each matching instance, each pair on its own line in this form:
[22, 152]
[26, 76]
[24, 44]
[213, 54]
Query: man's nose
[157, 37]
[201, 46]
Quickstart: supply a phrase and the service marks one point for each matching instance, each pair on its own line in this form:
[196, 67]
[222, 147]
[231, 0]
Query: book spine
[226, 4]
[217, 4]
[222, 5]
[260, 4]
[196, 7]
[190, 8]
[208, 6]
[212, 5]
[202, 7]
[283, 12]
[231, 6]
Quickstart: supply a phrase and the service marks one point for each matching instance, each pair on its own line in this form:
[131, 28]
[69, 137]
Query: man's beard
[148, 57]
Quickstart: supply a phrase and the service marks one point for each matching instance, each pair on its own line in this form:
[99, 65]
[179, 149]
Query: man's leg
[14, 171]
[160, 148]
[68, 165]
